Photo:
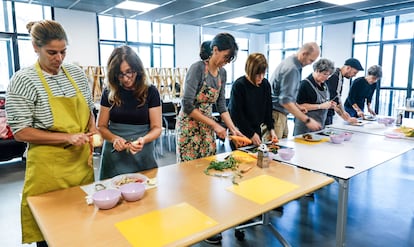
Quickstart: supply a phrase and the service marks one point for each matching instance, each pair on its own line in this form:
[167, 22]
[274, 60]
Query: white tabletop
[349, 158]
[372, 127]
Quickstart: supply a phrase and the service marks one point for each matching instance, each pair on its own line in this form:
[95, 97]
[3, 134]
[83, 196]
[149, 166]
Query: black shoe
[41, 244]
[279, 209]
[216, 239]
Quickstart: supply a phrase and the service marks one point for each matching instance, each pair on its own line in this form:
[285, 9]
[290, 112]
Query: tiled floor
[381, 210]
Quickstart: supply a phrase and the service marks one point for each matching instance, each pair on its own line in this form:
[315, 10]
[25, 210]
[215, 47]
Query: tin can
[399, 119]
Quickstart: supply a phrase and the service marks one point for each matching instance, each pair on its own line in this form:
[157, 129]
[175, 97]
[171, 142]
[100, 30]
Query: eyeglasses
[128, 74]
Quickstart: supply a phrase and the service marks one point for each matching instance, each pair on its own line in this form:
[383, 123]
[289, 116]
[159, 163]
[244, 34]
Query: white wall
[187, 45]
[82, 32]
[337, 46]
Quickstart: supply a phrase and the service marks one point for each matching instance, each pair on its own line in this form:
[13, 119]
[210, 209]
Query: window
[6, 25]
[139, 31]
[406, 26]
[30, 12]
[154, 49]
[16, 50]
[6, 62]
[389, 44]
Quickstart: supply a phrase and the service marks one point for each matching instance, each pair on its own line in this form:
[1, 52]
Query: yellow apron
[52, 167]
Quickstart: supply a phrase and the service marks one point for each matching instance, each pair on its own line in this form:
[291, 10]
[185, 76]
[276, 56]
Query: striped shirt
[27, 103]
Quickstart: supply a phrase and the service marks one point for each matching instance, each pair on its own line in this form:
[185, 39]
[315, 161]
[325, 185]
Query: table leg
[265, 221]
[342, 213]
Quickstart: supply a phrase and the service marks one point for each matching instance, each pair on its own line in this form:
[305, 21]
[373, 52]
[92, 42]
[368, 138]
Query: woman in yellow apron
[49, 106]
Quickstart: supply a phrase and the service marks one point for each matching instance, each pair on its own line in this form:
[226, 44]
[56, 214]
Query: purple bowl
[337, 139]
[387, 121]
[106, 199]
[286, 153]
[132, 191]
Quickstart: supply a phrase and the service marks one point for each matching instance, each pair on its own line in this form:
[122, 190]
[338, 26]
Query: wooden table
[66, 220]
[344, 161]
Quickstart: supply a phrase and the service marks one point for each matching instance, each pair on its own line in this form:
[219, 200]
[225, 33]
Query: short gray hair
[376, 71]
[324, 64]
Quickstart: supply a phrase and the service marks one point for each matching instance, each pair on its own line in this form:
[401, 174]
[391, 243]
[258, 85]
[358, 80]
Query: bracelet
[307, 120]
[319, 106]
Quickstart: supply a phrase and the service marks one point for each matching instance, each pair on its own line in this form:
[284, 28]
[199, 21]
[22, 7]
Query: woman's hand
[78, 139]
[256, 139]
[120, 144]
[371, 111]
[137, 145]
[220, 131]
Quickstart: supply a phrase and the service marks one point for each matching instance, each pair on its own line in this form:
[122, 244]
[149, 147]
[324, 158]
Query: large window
[388, 42]
[154, 42]
[285, 43]
[16, 50]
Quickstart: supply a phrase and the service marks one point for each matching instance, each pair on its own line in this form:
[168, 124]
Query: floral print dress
[196, 139]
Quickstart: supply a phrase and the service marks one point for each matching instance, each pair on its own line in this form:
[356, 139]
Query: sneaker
[214, 239]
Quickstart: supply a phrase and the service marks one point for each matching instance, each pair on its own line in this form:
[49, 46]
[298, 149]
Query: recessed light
[137, 6]
[242, 20]
[342, 2]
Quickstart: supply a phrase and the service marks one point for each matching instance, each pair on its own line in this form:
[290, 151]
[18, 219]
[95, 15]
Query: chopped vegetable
[228, 163]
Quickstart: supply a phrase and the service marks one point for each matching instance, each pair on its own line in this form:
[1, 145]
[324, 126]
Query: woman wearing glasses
[204, 86]
[129, 117]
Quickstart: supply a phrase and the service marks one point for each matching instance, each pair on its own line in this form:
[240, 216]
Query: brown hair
[256, 64]
[44, 31]
[120, 54]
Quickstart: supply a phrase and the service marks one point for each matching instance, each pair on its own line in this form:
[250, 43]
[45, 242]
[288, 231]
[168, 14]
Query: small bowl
[286, 153]
[347, 136]
[337, 139]
[133, 191]
[106, 199]
[387, 121]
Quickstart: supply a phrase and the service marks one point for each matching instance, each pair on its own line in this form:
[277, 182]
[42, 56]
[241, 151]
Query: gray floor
[381, 209]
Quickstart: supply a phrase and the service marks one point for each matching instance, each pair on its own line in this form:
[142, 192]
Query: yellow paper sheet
[161, 227]
[240, 156]
[263, 188]
[298, 140]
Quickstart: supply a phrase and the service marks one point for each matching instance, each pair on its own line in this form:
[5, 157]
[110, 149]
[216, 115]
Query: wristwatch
[307, 120]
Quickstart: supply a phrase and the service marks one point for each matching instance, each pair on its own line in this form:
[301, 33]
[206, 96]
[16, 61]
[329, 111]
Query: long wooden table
[66, 220]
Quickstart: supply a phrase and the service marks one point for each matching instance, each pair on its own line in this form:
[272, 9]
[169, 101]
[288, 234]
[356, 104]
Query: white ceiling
[274, 15]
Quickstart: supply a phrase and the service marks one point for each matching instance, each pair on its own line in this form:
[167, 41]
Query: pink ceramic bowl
[387, 121]
[132, 191]
[347, 136]
[286, 153]
[106, 199]
[337, 139]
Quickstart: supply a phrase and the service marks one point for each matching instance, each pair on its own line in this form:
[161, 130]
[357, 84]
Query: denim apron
[196, 139]
[114, 163]
[318, 115]
[52, 167]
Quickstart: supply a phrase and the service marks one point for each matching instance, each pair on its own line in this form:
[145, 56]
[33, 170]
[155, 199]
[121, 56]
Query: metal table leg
[342, 213]
[266, 222]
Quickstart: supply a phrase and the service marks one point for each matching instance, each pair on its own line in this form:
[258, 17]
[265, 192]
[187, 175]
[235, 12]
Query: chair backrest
[168, 107]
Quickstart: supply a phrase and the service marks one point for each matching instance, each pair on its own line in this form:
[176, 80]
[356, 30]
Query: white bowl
[132, 191]
[286, 153]
[106, 199]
